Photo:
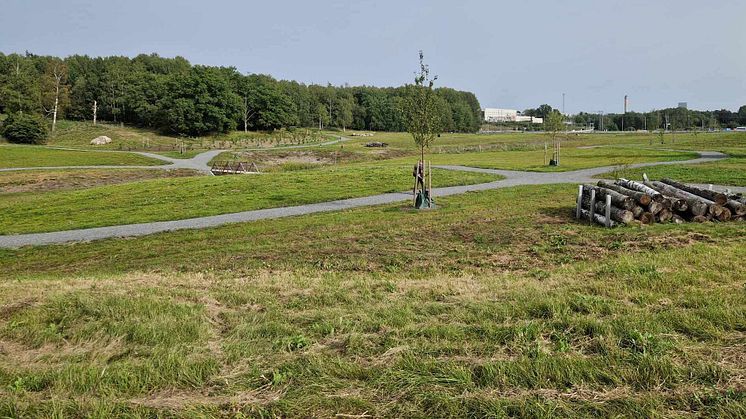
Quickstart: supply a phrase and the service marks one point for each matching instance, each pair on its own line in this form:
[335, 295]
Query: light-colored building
[508, 115]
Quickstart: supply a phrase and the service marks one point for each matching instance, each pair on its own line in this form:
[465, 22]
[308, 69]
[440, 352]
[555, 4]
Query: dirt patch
[45, 181]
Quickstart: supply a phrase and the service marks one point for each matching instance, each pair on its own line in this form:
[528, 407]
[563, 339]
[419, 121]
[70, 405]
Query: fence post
[592, 211]
[608, 211]
[579, 205]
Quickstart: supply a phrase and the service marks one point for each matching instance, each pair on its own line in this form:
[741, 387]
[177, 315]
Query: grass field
[492, 313]
[571, 159]
[171, 199]
[12, 156]
[495, 304]
[731, 171]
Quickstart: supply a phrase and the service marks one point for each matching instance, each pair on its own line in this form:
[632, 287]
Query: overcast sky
[512, 54]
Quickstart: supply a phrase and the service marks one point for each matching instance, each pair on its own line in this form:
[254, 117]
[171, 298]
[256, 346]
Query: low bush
[24, 129]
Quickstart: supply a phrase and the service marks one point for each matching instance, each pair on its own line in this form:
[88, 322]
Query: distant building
[683, 105]
[508, 115]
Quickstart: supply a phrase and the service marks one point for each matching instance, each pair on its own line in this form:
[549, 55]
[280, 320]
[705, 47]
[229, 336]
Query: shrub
[25, 129]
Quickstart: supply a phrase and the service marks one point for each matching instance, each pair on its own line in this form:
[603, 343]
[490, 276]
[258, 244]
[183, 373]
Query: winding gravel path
[198, 162]
[512, 178]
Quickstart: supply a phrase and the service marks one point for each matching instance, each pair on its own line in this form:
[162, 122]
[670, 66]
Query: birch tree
[55, 95]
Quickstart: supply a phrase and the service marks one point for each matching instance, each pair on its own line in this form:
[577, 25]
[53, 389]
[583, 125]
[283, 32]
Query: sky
[516, 54]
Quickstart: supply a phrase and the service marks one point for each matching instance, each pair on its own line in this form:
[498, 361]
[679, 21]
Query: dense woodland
[175, 97]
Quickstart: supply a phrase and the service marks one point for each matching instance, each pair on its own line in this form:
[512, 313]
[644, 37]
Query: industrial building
[507, 115]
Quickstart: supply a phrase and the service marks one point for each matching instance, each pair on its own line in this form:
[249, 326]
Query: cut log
[597, 218]
[677, 219]
[664, 216]
[637, 211]
[641, 197]
[676, 204]
[617, 214]
[738, 198]
[736, 207]
[697, 205]
[656, 207]
[637, 186]
[647, 218]
[716, 197]
[617, 199]
[719, 213]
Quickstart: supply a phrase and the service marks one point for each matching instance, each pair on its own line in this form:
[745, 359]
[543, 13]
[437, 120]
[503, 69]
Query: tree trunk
[716, 197]
[641, 197]
[95, 110]
[637, 186]
[697, 205]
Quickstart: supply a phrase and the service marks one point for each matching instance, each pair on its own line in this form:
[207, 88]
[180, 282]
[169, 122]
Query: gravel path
[198, 162]
[512, 178]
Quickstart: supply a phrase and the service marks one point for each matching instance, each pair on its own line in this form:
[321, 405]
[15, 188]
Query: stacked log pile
[625, 201]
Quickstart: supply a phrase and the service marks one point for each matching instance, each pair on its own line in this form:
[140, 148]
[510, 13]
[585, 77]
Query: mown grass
[449, 143]
[730, 171]
[571, 158]
[489, 306]
[13, 156]
[171, 199]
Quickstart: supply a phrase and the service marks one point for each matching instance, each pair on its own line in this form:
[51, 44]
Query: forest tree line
[678, 118]
[176, 97]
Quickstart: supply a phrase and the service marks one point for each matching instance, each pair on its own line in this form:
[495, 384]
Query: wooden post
[579, 205]
[545, 159]
[414, 188]
[608, 211]
[429, 184]
[592, 209]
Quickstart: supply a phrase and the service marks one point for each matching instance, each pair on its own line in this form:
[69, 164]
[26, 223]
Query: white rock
[101, 140]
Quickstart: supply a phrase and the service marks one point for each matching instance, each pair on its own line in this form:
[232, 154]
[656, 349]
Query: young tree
[423, 117]
[554, 123]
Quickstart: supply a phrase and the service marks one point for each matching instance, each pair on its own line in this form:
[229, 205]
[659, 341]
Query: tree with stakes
[424, 124]
[554, 123]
